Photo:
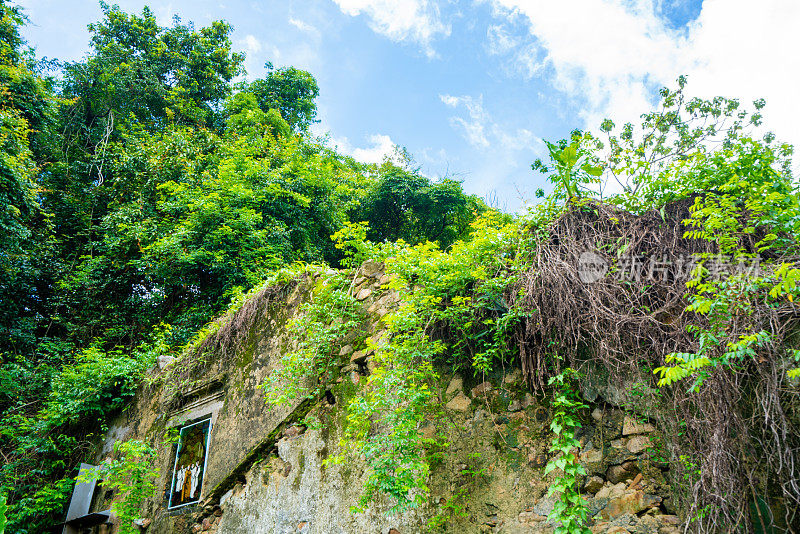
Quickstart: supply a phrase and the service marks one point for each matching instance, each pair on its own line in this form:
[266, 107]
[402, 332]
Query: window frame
[209, 419]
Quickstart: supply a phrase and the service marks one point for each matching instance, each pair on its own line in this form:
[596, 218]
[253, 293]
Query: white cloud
[303, 26]
[417, 21]
[610, 55]
[382, 148]
[474, 128]
[251, 44]
[499, 40]
[481, 130]
[526, 56]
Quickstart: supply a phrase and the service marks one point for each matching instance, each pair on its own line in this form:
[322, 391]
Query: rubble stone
[481, 389]
[459, 403]
[638, 444]
[631, 426]
[593, 484]
[456, 384]
[363, 293]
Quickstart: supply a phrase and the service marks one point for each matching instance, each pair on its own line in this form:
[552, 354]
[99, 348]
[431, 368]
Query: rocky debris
[514, 406]
[293, 431]
[593, 484]
[597, 414]
[630, 502]
[428, 431]
[635, 483]
[537, 460]
[621, 473]
[481, 389]
[668, 519]
[545, 505]
[514, 377]
[647, 525]
[363, 294]
[142, 523]
[371, 268]
[347, 349]
[638, 444]
[592, 456]
[459, 403]
[456, 384]
[631, 426]
[611, 491]
[527, 400]
[359, 356]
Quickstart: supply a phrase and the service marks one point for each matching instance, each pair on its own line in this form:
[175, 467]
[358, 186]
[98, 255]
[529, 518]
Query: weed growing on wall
[472, 474]
[98, 383]
[453, 312]
[317, 331]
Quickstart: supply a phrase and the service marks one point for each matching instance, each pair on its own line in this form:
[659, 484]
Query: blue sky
[471, 88]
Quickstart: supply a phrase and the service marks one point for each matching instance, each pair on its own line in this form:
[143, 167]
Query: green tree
[403, 204]
[25, 107]
[291, 91]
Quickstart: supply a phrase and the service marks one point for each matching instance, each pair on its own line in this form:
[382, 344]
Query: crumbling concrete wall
[268, 473]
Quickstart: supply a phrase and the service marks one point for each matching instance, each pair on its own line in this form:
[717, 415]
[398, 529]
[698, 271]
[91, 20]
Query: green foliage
[352, 240]
[143, 186]
[290, 91]
[404, 205]
[3, 509]
[132, 476]
[25, 103]
[689, 146]
[751, 210]
[151, 74]
[575, 164]
[100, 382]
[43, 445]
[570, 512]
[459, 291]
[317, 331]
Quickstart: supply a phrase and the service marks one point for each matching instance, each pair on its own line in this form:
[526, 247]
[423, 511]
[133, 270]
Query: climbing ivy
[570, 512]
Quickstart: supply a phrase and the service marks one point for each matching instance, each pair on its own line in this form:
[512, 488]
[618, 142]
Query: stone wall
[267, 473]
